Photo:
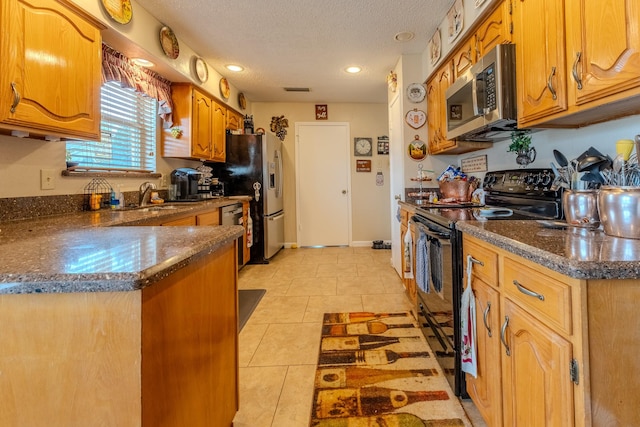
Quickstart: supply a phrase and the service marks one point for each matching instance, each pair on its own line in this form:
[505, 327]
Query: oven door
[437, 299]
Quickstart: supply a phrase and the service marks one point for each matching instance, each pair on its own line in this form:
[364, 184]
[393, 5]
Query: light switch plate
[47, 179]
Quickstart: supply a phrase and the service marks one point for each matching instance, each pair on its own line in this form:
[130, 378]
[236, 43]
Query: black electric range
[509, 194]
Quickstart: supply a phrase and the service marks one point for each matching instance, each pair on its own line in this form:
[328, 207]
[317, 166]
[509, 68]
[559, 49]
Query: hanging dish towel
[408, 255]
[468, 354]
[437, 262]
[422, 262]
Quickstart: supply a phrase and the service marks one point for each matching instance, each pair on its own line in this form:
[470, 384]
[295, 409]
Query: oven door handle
[431, 233]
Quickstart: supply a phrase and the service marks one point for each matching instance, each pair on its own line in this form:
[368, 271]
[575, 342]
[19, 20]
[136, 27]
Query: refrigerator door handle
[278, 174]
[275, 217]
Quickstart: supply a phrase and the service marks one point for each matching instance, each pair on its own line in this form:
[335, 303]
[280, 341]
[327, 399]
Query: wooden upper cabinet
[540, 59]
[463, 58]
[494, 30]
[436, 108]
[51, 69]
[202, 121]
[603, 47]
[219, 132]
[201, 144]
[235, 120]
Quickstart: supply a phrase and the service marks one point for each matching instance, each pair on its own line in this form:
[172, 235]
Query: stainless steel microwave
[481, 104]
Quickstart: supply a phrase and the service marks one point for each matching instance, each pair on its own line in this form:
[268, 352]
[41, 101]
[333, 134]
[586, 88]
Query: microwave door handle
[474, 95]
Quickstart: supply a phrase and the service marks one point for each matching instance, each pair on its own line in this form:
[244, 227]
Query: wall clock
[416, 92]
[362, 146]
[416, 118]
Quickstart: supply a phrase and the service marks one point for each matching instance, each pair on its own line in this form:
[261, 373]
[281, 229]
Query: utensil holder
[580, 207]
[619, 210]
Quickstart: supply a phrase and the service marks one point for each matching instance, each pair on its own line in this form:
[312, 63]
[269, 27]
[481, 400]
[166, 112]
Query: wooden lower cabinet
[524, 354]
[166, 355]
[189, 220]
[190, 345]
[486, 389]
[536, 376]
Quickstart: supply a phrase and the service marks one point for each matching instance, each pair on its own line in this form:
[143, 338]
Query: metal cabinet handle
[502, 333]
[484, 318]
[527, 291]
[476, 261]
[574, 71]
[16, 97]
[550, 83]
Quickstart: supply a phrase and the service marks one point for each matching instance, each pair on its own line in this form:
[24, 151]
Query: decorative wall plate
[416, 118]
[119, 10]
[416, 92]
[169, 43]
[200, 69]
[417, 149]
[225, 90]
[242, 101]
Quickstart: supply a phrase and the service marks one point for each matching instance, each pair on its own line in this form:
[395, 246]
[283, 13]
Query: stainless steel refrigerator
[254, 167]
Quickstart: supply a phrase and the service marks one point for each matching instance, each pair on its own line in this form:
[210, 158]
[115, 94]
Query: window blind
[129, 132]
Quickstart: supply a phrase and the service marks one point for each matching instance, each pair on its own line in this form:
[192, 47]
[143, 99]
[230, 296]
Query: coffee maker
[184, 184]
[217, 188]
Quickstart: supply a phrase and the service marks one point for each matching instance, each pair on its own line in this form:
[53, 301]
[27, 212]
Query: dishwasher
[232, 215]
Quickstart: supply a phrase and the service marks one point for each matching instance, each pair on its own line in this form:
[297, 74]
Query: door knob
[397, 197]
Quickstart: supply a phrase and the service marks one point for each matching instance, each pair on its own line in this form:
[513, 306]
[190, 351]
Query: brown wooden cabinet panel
[189, 220]
[436, 109]
[463, 58]
[50, 84]
[606, 35]
[190, 345]
[537, 389]
[219, 141]
[202, 130]
[208, 218]
[235, 121]
[540, 59]
[494, 30]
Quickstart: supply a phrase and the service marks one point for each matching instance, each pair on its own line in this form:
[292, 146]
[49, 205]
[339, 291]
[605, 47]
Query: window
[129, 133]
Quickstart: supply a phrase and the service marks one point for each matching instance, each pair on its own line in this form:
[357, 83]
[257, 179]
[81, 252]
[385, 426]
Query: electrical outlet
[47, 179]
[163, 181]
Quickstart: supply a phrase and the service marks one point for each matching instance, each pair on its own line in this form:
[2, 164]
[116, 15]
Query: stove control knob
[530, 179]
[546, 179]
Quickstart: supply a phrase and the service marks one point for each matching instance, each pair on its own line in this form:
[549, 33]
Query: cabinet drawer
[189, 220]
[208, 218]
[545, 297]
[487, 269]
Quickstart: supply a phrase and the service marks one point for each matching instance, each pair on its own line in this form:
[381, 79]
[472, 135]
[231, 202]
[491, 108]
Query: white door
[396, 178]
[323, 184]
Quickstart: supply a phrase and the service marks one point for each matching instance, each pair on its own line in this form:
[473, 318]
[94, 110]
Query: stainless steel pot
[619, 209]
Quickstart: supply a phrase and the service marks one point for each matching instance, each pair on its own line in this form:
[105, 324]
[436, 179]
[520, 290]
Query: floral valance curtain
[117, 67]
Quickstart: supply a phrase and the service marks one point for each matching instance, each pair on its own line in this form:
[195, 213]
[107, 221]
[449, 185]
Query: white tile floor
[279, 344]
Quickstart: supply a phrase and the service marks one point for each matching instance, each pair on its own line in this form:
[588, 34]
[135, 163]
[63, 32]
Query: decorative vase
[526, 156]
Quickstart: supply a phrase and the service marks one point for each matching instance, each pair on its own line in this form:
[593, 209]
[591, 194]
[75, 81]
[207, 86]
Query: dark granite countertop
[94, 252]
[574, 252]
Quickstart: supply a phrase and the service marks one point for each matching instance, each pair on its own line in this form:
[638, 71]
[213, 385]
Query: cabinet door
[540, 58]
[202, 133]
[50, 75]
[605, 35]
[219, 132]
[234, 120]
[208, 218]
[486, 389]
[433, 114]
[493, 31]
[190, 220]
[445, 78]
[536, 379]
[463, 58]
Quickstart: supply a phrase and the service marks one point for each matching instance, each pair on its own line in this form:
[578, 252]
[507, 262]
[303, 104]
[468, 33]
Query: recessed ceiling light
[235, 68]
[353, 70]
[142, 62]
[404, 36]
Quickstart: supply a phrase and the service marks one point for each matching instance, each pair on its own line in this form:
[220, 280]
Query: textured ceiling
[303, 43]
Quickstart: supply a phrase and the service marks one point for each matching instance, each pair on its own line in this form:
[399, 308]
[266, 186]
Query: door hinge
[574, 371]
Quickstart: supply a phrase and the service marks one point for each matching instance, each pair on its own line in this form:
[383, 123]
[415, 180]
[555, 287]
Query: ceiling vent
[297, 89]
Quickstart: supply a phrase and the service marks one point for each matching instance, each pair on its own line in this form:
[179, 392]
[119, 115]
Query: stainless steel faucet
[145, 193]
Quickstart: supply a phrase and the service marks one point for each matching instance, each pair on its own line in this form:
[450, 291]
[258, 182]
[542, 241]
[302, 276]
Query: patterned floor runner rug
[375, 370]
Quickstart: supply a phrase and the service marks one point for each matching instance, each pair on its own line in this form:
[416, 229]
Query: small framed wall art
[455, 17]
[322, 112]
[434, 47]
[416, 118]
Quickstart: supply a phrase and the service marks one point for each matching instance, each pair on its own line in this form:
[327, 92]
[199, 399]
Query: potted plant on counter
[521, 145]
